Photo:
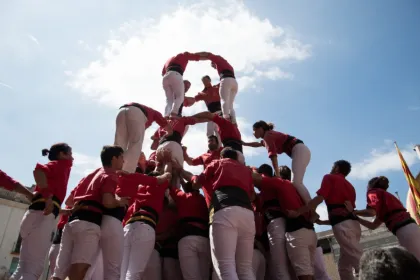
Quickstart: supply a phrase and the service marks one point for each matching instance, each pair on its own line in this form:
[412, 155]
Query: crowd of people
[137, 218]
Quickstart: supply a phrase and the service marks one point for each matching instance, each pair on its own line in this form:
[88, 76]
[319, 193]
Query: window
[16, 246]
[13, 265]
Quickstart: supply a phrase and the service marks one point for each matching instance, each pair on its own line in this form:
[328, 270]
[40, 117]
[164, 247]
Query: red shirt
[209, 95]
[154, 116]
[178, 125]
[62, 221]
[226, 129]
[168, 220]
[274, 142]
[269, 194]
[335, 189]
[388, 208]
[288, 196]
[226, 172]
[93, 187]
[128, 184]
[221, 63]
[128, 214]
[7, 182]
[207, 158]
[180, 59]
[57, 173]
[190, 204]
[151, 196]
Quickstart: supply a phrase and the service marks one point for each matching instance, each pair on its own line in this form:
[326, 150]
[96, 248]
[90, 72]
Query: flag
[413, 187]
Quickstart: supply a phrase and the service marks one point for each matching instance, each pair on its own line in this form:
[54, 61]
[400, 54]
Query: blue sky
[342, 76]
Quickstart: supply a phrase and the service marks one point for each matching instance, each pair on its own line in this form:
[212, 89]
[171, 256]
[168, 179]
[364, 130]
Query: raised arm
[206, 116]
[253, 144]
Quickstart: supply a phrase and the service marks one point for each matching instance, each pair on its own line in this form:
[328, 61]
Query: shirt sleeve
[159, 119]
[189, 120]
[109, 184]
[141, 179]
[200, 96]
[197, 161]
[7, 182]
[326, 186]
[207, 174]
[191, 56]
[270, 145]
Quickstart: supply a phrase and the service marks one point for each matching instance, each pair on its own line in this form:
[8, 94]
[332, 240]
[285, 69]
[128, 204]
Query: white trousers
[79, 244]
[319, 266]
[112, 245]
[194, 257]
[258, 265]
[227, 91]
[301, 246]
[154, 267]
[232, 243]
[35, 230]
[96, 271]
[212, 130]
[276, 231]
[348, 235]
[241, 157]
[139, 242]
[409, 238]
[177, 155]
[171, 269]
[129, 135]
[301, 156]
[173, 84]
[52, 257]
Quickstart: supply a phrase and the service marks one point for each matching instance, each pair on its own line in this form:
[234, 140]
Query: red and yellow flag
[414, 188]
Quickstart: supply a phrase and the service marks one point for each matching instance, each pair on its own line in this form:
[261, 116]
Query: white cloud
[33, 39]
[84, 164]
[132, 59]
[381, 161]
[322, 212]
[6, 85]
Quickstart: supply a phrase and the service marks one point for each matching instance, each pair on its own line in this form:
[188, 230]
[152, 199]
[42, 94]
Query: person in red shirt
[131, 123]
[81, 235]
[193, 219]
[205, 159]
[172, 143]
[336, 191]
[299, 230]
[389, 210]
[230, 185]
[277, 143]
[228, 84]
[173, 83]
[11, 184]
[210, 95]
[228, 131]
[39, 220]
[139, 231]
[112, 237]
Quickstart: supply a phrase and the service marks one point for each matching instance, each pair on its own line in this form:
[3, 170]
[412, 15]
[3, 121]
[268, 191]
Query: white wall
[11, 214]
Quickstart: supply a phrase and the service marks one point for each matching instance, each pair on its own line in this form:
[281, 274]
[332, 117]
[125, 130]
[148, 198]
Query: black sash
[137, 105]
[228, 196]
[298, 223]
[187, 228]
[38, 203]
[176, 68]
[227, 74]
[338, 219]
[175, 136]
[233, 143]
[118, 212]
[290, 142]
[88, 210]
[214, 106]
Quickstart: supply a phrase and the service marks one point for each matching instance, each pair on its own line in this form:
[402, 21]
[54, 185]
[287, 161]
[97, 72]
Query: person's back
[389, 264]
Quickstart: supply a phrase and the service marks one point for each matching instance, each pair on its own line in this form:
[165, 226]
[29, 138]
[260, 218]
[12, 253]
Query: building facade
[379, 238]
[12, 209]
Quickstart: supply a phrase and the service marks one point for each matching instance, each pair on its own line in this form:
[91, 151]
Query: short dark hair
[214, 137]
[266, 169]
[380, 182]
[390, 263]
[55, 150]
[264, 125]
[229, 153]
[344, 167]
[285, 172]
[108, 153]
[207, 77]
